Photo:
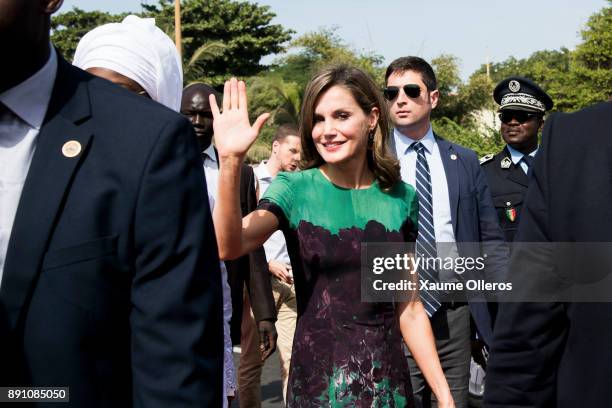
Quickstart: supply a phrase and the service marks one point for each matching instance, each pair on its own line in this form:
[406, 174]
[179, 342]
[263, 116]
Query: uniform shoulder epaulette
[486, 158]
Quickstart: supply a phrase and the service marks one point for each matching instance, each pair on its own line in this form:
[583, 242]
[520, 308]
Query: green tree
[590, 79]
[469, 136]
[68, 28]
[595, 52]
[573, 79]
[315, 50]
[219, 37]
[282, 99]
[194, 68]
[458, 100]
[244, 28]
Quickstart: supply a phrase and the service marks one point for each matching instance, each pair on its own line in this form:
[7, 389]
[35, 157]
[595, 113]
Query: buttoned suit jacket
[111, 284]
[474, 221]
[559, 354]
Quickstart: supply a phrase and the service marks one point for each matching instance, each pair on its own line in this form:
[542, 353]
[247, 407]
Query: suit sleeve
[176, 317]
[529, 337]
[259, 286]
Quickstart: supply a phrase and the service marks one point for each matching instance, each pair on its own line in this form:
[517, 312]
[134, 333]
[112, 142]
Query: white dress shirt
[19, 128]
[211, 171]
[275, 246]
[517, 157]
[443, 224]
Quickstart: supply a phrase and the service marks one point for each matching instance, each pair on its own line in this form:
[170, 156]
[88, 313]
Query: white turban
[139, 50]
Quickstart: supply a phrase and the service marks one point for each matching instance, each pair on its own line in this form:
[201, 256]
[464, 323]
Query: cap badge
[514, 86]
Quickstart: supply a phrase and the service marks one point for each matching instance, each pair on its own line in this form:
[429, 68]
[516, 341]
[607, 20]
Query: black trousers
[451, 329]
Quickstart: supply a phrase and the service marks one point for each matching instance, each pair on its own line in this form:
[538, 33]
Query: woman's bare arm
[416, 331]
[233, 137]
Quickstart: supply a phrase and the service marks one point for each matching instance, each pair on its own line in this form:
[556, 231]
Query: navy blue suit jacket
[474, 220]
[111, 283]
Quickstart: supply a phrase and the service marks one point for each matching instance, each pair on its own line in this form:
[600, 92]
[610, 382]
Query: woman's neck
[349, 174]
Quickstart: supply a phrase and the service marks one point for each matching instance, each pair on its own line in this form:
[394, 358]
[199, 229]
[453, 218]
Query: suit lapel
[46, 186]
[452, 176]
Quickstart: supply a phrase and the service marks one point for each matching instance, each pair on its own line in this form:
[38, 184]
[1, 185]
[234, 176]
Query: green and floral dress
[345, 352]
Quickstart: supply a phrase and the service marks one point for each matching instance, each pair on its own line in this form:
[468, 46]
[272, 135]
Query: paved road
[271, 385]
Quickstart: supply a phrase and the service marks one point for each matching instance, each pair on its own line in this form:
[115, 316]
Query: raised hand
[233, 132]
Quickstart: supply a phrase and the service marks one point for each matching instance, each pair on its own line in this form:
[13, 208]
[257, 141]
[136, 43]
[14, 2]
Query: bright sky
[472, 30]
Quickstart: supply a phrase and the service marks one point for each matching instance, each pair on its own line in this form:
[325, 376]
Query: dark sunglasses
[411, 90]
[520, 116]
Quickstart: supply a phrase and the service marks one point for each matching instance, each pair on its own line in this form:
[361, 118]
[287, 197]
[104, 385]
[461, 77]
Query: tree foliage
[245, 29]
[574, 79]
[470, 136]
[68, 28]
[458, 99]
[220, 38]
[315, 50]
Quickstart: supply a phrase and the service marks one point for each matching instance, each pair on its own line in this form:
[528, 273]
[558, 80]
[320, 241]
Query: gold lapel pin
[453, 156]
[71, 148]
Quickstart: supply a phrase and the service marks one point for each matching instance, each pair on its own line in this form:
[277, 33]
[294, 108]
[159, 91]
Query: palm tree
[206, 52]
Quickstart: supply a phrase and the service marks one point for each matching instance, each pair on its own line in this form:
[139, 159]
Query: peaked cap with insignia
[518, 93]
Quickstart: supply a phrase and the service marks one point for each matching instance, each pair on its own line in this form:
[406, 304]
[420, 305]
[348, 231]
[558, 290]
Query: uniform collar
[29, 100]
[517, 156]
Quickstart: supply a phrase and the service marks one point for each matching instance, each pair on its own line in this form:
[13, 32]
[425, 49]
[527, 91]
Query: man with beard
[255, 304]
[109, 274]
[522, 107]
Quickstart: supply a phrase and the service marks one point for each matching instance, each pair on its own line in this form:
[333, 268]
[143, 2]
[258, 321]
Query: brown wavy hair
[367, 95]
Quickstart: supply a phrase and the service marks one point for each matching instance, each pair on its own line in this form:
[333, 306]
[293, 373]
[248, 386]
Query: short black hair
[285, 130]
[204, 88]
[416, 64]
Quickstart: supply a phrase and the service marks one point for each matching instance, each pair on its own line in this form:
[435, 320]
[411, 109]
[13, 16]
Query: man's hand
[480, 353]
[267, 338]
[281, 270]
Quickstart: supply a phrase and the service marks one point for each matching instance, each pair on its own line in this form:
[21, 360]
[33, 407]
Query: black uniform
[508, 185]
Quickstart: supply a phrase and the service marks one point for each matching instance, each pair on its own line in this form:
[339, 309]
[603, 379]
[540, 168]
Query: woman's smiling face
[340, 126]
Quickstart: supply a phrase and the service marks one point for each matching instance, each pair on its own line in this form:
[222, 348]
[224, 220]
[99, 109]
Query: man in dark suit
[522, 105]
[558, 354]
[454, 207]
[109, 283]
[253, 312]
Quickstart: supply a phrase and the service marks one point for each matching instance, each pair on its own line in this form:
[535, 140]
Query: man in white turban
[134, 54]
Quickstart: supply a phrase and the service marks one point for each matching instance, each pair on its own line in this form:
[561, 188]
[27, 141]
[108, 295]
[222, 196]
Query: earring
[371, 136]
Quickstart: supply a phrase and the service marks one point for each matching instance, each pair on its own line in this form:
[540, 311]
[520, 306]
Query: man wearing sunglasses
[522, 107]
[455, 208]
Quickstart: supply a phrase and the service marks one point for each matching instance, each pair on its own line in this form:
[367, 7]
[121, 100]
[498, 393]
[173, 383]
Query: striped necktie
[426, 238]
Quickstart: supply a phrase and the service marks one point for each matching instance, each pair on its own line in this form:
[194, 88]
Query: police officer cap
[520, 93]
